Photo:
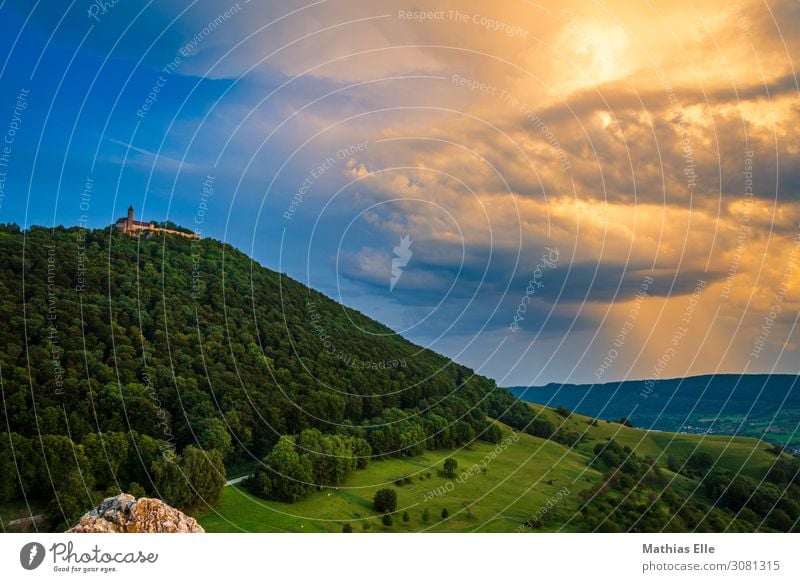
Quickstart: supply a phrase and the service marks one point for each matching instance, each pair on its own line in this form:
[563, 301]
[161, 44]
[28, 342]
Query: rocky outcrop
[126, 514]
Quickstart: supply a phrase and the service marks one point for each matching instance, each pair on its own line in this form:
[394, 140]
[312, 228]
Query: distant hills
[763, 406]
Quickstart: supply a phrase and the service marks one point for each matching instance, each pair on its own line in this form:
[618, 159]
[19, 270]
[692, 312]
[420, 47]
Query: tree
[445, 513]
[385, 500]
[450, 466]
[289, 472]
[191, 480]
[212, 434]
[347, 528]
[406, 517]
[387, 520]
[206, 475]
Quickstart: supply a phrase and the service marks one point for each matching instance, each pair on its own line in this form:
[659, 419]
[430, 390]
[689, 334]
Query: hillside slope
[527, 484]
[142, 346]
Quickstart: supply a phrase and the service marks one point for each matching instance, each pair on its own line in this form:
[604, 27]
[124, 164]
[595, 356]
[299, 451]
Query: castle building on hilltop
[127, 225]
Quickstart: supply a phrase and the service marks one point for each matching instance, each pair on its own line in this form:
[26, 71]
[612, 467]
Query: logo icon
[403, 255]
[31, 555]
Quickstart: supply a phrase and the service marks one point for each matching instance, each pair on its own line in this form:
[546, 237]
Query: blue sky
[332, 130]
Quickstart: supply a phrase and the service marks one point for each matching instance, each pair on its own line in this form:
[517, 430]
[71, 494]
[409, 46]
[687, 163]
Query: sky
[543, 191]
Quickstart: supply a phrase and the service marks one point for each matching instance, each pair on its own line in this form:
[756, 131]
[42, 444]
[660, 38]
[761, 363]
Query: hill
[761, 406]
[116, 352]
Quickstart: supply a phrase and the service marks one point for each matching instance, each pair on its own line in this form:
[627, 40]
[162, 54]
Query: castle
[127, 225]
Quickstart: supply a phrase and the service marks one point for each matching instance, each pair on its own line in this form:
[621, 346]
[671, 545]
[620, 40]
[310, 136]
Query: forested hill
[176, 343]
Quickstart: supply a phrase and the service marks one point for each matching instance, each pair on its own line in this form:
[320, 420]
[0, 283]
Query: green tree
[387, 520]
[385, 500]
[193, 479]
[289, 472]
[205, 472]
[450, 466]
[170, 482]
[445, 513]
[406, 517]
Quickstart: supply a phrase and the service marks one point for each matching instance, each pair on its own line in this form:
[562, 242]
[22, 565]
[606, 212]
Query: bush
[347, 528]
[450, 466]
[406, 517]
[387, 520]
[385, 500]
[445, 513]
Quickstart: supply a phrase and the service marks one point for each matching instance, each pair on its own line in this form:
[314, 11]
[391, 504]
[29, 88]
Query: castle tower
[129, 223]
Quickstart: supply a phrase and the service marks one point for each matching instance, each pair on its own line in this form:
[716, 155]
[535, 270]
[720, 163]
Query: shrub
[450, 466]
[387, 520]
[385, 500]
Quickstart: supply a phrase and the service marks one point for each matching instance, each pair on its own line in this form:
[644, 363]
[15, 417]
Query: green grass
[518, 482]
[748, 455]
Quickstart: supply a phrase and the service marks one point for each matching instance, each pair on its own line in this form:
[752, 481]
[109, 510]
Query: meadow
[522, 474]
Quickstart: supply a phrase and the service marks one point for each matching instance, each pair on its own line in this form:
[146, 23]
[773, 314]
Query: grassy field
[748, 455]
[523, 475]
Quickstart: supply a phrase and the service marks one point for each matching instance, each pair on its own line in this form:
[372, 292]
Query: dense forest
[118, 355]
